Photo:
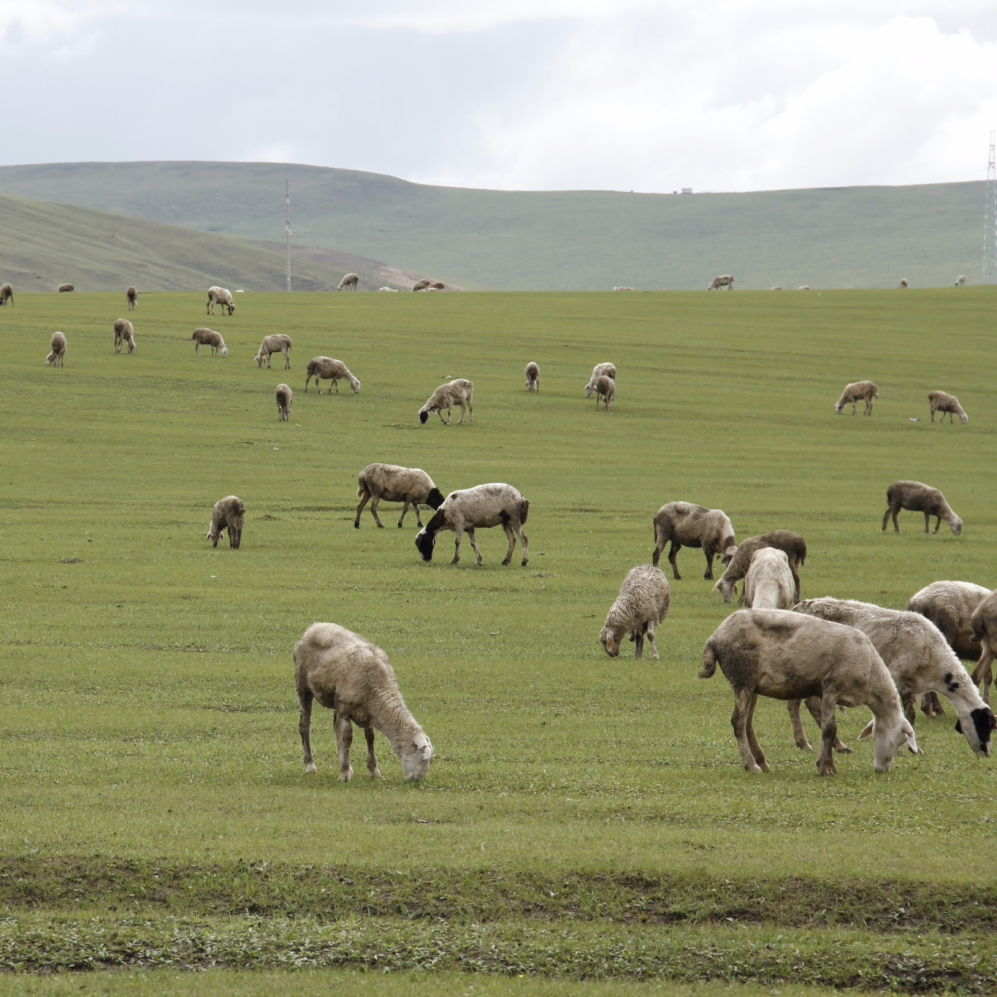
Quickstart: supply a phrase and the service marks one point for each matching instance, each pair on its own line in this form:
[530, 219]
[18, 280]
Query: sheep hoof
[356, 525]
[347, 775]
[508, 560]
[753, 769]
[804, 745]
[526, 561]
[380, 526]
[310, 768]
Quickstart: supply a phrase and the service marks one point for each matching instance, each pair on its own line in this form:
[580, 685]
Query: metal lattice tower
[990, 221]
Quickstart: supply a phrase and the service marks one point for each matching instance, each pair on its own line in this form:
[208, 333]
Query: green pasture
[584, 817]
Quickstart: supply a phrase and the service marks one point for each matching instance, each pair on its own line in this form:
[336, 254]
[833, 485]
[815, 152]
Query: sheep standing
[421, 285]
[950, 606]
[438, 285]
[326, 368]
[124, 332]
[393, 483]
[903, 282]
[6, 294]
[349, 281]
[689, 525]
[942, 402]
[769, 583]
[55, 358]
[918, 497]
[459, 391]
[605, 391]
[622, 288]
[354, 678]
[960, 280]
[228, 514]
[532, 377]
[725, 281]
[857, 391]
[279, 342]
[284, 396]
[600, 370]
[984, 624]
[481, 507]
[739, 559]
[208, 337]
[131, 296]
[65, 288]
[642, 603]
[786, 655]
[221, 296]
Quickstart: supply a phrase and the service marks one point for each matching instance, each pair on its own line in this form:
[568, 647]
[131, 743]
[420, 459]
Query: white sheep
[353, 677]
[228, 514]
[725, 281]
[284, 396]
[605, 391]
[984, 624]
[459, 391]
[804, 287]
[124, 332]
[221, 296]
[942, 402]
[689, 525]
[392, 289]
[279, 342]
[599, 370]
[738, 559]
[326, 368]
[350, 280]
[63, 288]
[393, 483]
[622, 288]
[642, 603]
[6, 294]
[919, 497]
[960, 280]
[855, 392]
[769, 583]
[131, 296]
[481, 507]
[56, 357]
[532, 377]
[208, 337]
[903, 282]
[786, 655]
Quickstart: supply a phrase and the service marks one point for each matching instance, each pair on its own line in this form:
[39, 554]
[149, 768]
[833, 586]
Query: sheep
[284, 396]
[689, 525]
[279, 342]
[220, 296]
[622, 288]
[208, 337]
[438, 285]
[769, 583]
[483, 506]
[641, 604]
[392, 289]
[228, 514]
[55, 358]
[605, 390]
[787, 655]
[393, 483]
[776, 288]
[918, 497]
[329, 369]
[354, 678]
[64, 288]
[960, 280]
[6, 294]
[804, 287]
[350, 280]
[725, 281]
[903, 282]
[131, 296]
[738, 559]
[421, 285]
[599, 370]
[459, 391]
[855, 392]
[918, 658]
[942, 402]
[532, 377]
[950, 606]
[984, 624]
[124, 332]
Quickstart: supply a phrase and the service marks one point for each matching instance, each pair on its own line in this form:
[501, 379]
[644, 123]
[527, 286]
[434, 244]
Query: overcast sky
[514, 94]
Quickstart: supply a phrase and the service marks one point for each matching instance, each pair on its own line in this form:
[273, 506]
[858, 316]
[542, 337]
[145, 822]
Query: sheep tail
[709, 661]
[524, 510]
[362, 490]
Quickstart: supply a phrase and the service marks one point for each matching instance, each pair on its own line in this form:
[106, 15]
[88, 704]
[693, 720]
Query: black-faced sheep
[393, 483]
[221, 296]
[284, 396]
[984, 624]
[349, 281]
[481, 507]
[857, 391]
[279, 342]
[56, 357]
[6, 294]
[131, 296]
[326, 368]
[348, 674]
[725, 281]
[942, 402]
[918, 497]
[124, 332]
[228, 514]
[64, 288]
[738, 559]
[459, 391]
[208, 337]
[689, 525]
[532, 377]
[641, 604]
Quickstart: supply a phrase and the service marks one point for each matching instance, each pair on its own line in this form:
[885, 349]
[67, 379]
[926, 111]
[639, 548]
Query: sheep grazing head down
[423, 416]
[978, 732]
[425, 542]
[416, 757]
[956, 525]
[611, 641]
[887, 741]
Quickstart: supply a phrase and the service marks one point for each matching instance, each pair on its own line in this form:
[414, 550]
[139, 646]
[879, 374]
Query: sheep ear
[867, 730]
[911, 740]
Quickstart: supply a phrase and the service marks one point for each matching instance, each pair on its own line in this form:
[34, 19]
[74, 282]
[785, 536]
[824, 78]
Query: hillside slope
[840, 237]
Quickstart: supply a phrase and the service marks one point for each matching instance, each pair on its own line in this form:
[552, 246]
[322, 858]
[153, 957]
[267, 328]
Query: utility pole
[287, 228]
[990, 221]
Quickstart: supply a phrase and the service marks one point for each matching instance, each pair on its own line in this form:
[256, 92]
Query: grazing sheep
[350, 280]
[984, 624]
[942, 402]
[725, 281]
[392, 289]
[960, 280]
[6, 294]
[284, 396]
[777, 288]
[482, 507]
[325, 368]
[605, 391]
[438, 285]
[857, 391]
[227, 514]
[208, 337]
[354, 678]
[459, 391]
[769, 583]
[421, 285]
[786, 655]
[950, 606]
[279, 342]
[622, 288]
[393, 483]
[689, 525]
[220, 296]
[903, 282]
[804, 287]
[124, 332]
[131, 296]
[66, 287]
[599, 370]
[918, 497]
[738, 559]
[55, 358]
[642, 603]
[918, 658]
[532, 376]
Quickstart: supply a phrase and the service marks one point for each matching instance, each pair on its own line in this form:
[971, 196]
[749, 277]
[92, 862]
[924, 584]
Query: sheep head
[956, 525]
[425, 542]
[416, 756]
[434, 498]
[611, 641]
[978, 732]
[423, 415]
[887, 741]
[224, 351]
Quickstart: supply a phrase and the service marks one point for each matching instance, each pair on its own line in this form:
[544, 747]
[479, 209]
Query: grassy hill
[557, 240]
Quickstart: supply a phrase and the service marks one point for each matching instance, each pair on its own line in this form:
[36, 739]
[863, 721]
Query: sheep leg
[474, 544]
[638, 639]
[739, 720]
[305, 727]
[710, 553]
[375, 772]
[335, 384]
[446, 421]
[197, 350]
[463, 411]
[405, 509]
[344, 739]
[418, 518]
[907, 703]
[524, 543]
[756, 748]
[650, 638]
[828, 735]
[983, 672]
[676, 547]
[813, 707]
[930, 705]
[363, 502]
[235, 536]
[512, 541]
[458, 532]
[287, 359]
[799, 734]
[373, 511]
[938, 522]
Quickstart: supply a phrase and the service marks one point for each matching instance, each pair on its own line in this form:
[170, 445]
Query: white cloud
[34, 22]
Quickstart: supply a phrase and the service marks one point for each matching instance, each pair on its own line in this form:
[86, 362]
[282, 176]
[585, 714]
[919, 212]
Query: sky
[644, 95]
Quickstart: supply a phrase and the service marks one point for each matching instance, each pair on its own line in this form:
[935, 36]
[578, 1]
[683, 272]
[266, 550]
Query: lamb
[421, 285]
[438, 285]
[642, 603]
[919, 497]
[599, 370]
[279, 342]
[725, 281]
[131, 295]
[124, 332]
[354, 678]
[738, 559]
[326, 368]
[393, 289]
[960, 280]
[605, 390]
[786, 655]
[903, 282]
[392, 483]
[55, 358]
[918, 658]
[63, 288]
[208, 337]
[769, 583]
[942, 402]
[532, 376]
[6, 294]
[855, 392]
[482, 507]
[284, 396]
[950, 606]
[689, 525]
[459, 391]
[350, 280]
[228, 514]
[220, 296]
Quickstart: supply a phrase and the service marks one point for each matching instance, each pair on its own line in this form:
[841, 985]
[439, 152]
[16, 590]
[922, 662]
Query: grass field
[584, 818]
